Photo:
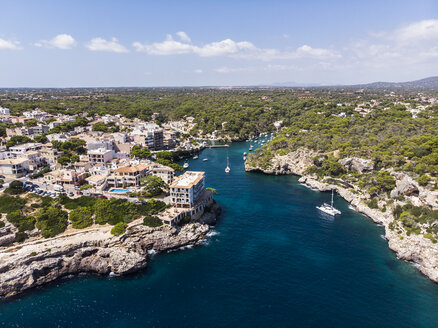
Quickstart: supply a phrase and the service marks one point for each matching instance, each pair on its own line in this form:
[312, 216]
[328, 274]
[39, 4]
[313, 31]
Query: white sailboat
[227, 169]
[329, 209]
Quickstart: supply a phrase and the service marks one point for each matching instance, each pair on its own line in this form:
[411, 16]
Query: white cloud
[223, 48]
[198, 71]
[167, 47]
[226, 69]
[9, 45]
[319, 53]
[230, 48]
[61, 41]
[183, 36]
[426, 30]
[99, 44]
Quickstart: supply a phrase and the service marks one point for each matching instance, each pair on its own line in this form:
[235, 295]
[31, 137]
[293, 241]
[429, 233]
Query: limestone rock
[92, 250]
[360, 165]
[405, 185]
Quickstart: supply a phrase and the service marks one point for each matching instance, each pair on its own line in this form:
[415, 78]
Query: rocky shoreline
[412, 248]
[94, 251]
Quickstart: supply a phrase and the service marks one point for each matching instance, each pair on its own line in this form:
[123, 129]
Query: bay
[273, 260]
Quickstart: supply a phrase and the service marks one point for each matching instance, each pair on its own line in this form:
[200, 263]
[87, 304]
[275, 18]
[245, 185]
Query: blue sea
[272, 261]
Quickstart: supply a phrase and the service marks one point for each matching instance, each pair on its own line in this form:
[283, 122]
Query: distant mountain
[430, 83]
[295, 84]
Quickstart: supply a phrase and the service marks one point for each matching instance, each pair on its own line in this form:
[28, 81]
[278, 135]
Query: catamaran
[329, 209]
[227, 169]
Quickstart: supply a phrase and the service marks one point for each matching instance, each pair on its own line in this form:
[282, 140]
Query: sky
[215, 43]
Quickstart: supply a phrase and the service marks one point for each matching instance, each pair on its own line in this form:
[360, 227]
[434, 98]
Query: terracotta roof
[131, 169]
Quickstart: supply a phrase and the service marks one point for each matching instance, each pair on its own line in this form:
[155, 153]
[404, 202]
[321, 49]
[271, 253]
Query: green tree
[17, 140]
[385, 181]
[423, 180]
[119, 229]
[15, 187]
[139, 152]
[153, 185]
[81, 217]
[100, 126]
[41, 139]
[152, 221]
[51, 221]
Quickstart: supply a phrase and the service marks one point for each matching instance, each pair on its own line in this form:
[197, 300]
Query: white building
[15, 168]
[21, 149]
[4, 111]
[100, 155]
[167, 174]
[187, 188]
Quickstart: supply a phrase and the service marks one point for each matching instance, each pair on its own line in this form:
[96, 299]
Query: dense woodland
[324, 120]
[245, 111]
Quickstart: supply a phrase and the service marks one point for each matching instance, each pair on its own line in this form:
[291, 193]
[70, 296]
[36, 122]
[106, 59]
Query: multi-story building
[36, 161]
[167, 174]
[50, 154]
[188, 197]
[65, 177]
[21, 149]
[187, 188]
[127, 176]
[100, 155]
[15, 167]
[152, 137]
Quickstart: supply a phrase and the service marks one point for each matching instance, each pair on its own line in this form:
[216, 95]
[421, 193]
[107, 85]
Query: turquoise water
[275, 261]
[119, 190]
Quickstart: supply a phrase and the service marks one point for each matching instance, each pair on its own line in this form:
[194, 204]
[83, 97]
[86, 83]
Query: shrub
[119, 229]
[373, 203]
[423, 180]
[71, 204]
[81, 217]
[114, 211]
[85, 187]
[10, 204]
[152, 221]
[385, 181]
[51, 221]
[20, 237]
[23, 223]
[15, 187]
[2, 224]
[152, 207]
[213, 191]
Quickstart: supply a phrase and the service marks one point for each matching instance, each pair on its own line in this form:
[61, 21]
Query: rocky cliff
[413, 248]
[92, 250]
[295, 162]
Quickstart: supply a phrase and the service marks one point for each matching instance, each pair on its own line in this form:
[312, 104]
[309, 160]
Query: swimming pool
[118, 190]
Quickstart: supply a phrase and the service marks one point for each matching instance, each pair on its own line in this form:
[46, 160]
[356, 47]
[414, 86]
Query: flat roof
[188, 179]
[13, 161]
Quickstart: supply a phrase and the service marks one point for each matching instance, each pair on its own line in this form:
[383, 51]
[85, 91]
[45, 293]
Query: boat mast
[332, 198]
